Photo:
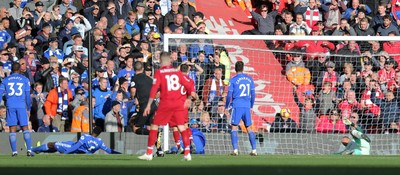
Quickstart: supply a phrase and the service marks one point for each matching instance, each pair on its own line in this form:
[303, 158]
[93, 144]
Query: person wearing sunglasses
[265, 21]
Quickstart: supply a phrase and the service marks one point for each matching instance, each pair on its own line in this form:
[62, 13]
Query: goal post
[315, 82]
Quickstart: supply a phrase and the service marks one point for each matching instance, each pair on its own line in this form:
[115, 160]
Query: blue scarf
[62, 106]
[212, 97]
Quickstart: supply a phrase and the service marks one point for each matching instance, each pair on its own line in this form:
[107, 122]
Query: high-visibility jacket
[79, 122]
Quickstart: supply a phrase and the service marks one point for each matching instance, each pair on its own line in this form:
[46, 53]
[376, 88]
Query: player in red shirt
[172, 108]
[184, 68]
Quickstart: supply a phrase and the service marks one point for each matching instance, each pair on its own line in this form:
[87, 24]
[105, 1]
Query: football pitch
[201, 164]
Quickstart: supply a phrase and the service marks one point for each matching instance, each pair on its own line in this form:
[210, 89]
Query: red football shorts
[173, 118]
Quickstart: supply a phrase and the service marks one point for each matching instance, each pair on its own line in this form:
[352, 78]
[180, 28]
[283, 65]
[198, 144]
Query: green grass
[201, 164]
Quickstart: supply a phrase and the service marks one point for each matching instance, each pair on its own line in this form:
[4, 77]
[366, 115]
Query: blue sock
[41, 148]
[13, 142]
[252, 138]
[234, 139]
[28, 140]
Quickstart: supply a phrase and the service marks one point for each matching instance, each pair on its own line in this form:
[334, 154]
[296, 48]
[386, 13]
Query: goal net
[305, 87]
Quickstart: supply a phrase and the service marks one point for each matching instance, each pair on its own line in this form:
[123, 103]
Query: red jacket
[326, 126]
[392, 48]
[315, 47]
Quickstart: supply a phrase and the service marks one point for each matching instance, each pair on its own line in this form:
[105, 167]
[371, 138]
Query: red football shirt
[173, 87]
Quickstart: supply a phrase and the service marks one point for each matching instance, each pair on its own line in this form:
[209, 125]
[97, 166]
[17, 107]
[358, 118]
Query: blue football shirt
[242, 89]
[17, 89]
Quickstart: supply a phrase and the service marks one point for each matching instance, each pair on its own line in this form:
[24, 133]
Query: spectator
[287, 22]
[265, 21]
[296, 62]
[128, 72]
[38, 99]
[92, 14]
[206, 124]
[299, 27]
[344, 27]
[353, 10]
[82, 28]
[45, 6]
[178, 22]
[363, 28]
[103, 102]
[213, 90]
[116, 41]
[386, 74]
[25, 70]
[16, 10]
[391, 47]
[334, 14]
[389, 107]
[110, 72]
[221, 118]
[56, 104]
[65, 36]
[360, 15]
[387, 27]
[140, 13]
[215, 63]
[307, 113]
[131, 23]
[326, 99]
[114, 120]
[53, 50]
[77, 47]
[66, 4]
[170, 16]
[371, 110]
[348, 104]
[312, 47]
[159, 21]
[123, 8]
[378, 19]
[80, 120]
[47, 125]
[150, 25]
[328, 76]
[45, 76]
[316, 66]
[283, 124]
[347, 70]
[331, 124]
[3, 123]
[187, 10]
[312, 13]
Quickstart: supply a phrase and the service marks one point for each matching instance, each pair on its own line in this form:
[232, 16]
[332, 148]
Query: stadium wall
[130, 143]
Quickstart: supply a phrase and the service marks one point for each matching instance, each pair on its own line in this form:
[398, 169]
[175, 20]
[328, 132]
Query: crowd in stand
[358, 80]
[55, 40]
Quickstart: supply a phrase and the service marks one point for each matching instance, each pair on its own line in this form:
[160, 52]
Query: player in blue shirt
[87, 144]
[241, 90]
[17, 91]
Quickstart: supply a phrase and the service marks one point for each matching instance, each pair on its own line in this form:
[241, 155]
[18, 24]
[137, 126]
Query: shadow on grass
[205, 170]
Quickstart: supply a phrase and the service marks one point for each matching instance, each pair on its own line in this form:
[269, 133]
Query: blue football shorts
[241, 113]
[17, 116]
[63, 146]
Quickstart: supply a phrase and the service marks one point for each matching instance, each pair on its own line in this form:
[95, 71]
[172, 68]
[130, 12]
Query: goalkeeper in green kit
[360, 145]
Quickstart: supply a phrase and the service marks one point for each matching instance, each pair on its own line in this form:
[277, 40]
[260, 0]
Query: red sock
[190, 134]
[150, 141]
[177, 139]
[186, 142]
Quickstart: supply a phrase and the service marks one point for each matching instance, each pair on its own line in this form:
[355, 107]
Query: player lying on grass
[87, 144]
[361, 143]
